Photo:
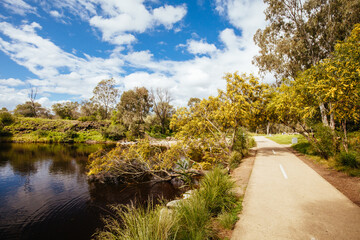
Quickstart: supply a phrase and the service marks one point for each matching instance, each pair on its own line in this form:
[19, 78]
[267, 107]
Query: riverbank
[40, 130]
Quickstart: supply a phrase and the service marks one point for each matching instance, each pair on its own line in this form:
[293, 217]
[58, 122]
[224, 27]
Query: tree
[334, 82]
[134, 105]
[161, 107]
[66, 110]
[219, 119]
[31, 109]
[301, 33]
[105, 95]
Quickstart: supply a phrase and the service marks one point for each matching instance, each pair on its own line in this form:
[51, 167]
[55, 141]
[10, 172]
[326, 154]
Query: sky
[63, 48]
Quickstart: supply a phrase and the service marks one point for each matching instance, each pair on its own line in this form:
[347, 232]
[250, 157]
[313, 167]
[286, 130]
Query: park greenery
[313, 50]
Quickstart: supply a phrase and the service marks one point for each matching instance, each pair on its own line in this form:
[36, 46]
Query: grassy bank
[204, 215]
[53, 130]
[341, 161]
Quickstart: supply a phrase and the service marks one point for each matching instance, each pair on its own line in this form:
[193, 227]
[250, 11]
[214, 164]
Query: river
[45, 194]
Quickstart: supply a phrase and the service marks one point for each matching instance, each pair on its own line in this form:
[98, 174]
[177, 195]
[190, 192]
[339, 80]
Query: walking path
[286, 199]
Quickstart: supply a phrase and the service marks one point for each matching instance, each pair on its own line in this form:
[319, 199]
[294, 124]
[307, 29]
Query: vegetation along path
[286, 199]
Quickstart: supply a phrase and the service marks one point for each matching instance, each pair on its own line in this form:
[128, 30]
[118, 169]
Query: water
[45, 194]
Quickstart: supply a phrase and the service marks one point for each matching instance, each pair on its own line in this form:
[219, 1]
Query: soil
[241, 174]
[347, 185]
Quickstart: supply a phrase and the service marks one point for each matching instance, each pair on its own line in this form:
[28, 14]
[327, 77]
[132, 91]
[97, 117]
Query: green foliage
[6, 118]
[228, 219]
[304, 148]
[31, 109]
[190, 220]
[194, 219]
[324, 141]
[105, 96]
[350, 159]
[113, 132]
[66, 110]
[216, 188]
[54, 131]
[235, 159]
[151, 223]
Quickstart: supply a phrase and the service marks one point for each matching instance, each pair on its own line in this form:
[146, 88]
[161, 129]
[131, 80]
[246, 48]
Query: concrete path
[286, 199]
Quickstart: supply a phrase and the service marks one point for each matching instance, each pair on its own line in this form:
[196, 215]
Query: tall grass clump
[348, 159]
[216, 188]
[150, 223]
[193, 219]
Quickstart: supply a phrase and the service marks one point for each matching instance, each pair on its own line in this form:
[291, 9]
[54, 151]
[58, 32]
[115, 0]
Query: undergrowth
[191, 220]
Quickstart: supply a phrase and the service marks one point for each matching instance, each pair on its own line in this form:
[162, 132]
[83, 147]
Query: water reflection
[44, 192]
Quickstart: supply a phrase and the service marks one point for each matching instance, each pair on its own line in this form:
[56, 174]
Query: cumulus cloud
[59, 71]
[11, 82]
[120, 18]
[200, 47]
[18, 6]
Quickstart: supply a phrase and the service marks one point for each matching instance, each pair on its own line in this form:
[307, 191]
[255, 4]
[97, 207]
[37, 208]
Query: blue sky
[65, 47]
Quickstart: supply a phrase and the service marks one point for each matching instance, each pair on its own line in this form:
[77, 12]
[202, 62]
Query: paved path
[286, 199]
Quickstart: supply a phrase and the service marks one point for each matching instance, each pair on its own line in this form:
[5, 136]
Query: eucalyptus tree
[105, 95]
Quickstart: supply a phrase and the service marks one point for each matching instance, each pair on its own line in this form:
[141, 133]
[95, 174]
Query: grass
[191, 220]
[286, 139]
[139, 223]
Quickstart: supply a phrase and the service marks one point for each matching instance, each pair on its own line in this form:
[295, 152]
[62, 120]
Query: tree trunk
[345, 141]
[268, 128]
[323, 114]
[332, 120]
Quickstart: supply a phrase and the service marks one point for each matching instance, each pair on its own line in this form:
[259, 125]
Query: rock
[188, 194]
[177, 182]
[173, 204]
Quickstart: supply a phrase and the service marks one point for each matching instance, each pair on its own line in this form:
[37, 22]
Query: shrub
[304, 148]
[234, 159]
[139, 224]
[87, 118]
[6, 118]
[348, 159]
[228, 219]
[194, 217]
[216, 189]
[114, 132]
[325, 141]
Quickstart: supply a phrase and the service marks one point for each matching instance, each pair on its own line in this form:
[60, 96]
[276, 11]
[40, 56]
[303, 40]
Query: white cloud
[63, 72]
[200, 47]
[18, 6]
[168, 15]
[121, 18]
[246, 15]
[55, 14]
[11, 82]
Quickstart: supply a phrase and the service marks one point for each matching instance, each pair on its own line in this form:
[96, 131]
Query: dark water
[44, 192]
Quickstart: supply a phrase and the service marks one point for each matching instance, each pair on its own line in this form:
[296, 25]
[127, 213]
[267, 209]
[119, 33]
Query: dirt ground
[349, 186]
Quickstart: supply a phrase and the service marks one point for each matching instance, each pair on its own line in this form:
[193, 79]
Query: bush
[114, 132]
[304, 148]
[216, 189]
[6, 118]
[139, 224]
[234, 159]
[325, 141]
[87, 118]
[228, 219]
[348, 159]
[194, 217]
